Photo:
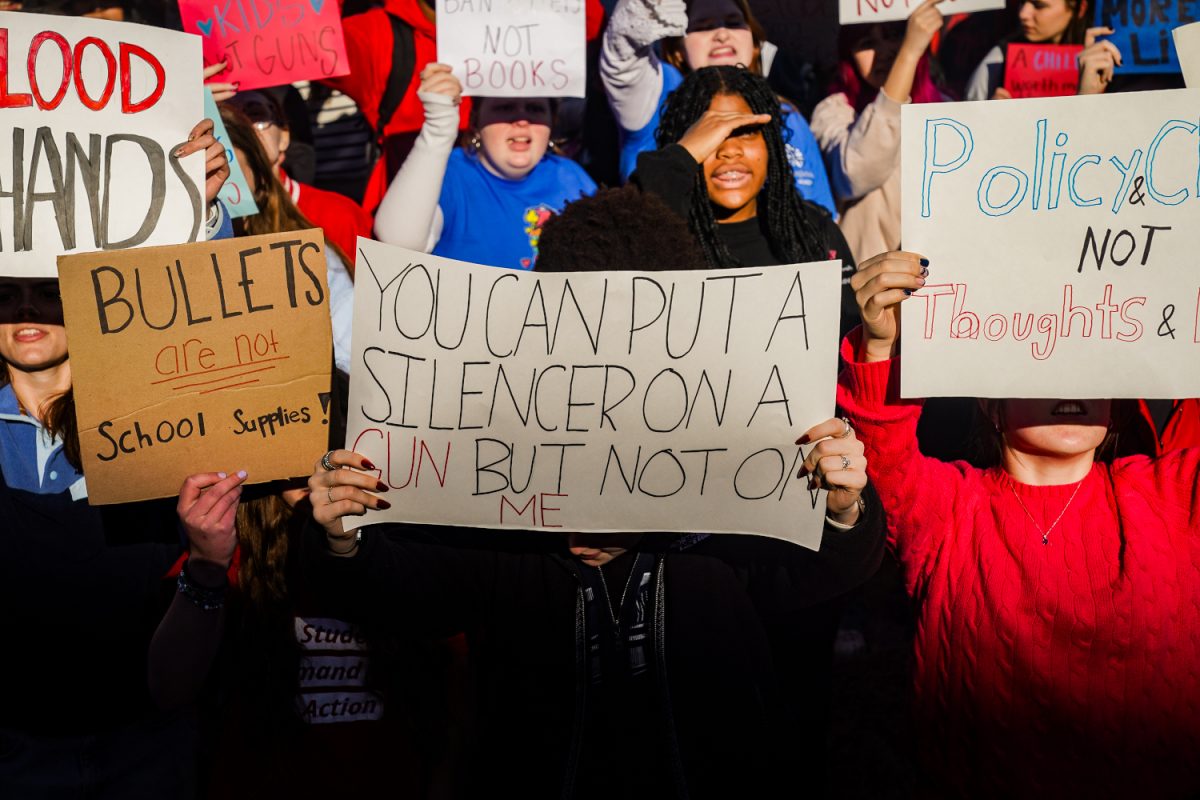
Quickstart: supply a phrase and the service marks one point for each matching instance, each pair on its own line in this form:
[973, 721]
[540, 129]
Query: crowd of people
[238, 642]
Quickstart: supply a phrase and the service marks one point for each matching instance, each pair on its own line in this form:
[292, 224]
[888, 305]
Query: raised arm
[409, 215]
[186, 642]
[629, 67]
[863, 151]
[918, 493]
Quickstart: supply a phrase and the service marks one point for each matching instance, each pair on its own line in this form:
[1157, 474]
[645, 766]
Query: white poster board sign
[1187, 46]
[1063, 245]
[858, 11]
[90, 114]
[515, 48]
[616, 401]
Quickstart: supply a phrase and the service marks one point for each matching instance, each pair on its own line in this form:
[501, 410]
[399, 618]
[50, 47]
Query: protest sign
[1041, 70]
[269, 42]
[1187, 45]
[515, 48]
[236, 193]
[91, 112]
[616, 401]
[198, 358]
[1143, 31]
[851, 12]
[1062, 241]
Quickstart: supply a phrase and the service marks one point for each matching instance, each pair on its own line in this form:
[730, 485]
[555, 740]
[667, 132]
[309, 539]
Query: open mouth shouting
[1069, 408]
[731, 176]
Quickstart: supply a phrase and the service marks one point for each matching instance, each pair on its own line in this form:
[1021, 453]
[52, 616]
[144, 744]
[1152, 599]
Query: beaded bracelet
[203, 598]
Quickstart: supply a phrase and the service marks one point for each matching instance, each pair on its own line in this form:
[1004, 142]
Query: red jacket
[1067, 669]
[342, 219]
[1182, 429]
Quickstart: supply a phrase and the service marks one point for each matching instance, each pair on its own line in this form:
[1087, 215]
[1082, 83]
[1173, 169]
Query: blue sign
[235, 194]
[1143, 31]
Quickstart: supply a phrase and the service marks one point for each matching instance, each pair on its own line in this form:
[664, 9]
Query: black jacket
[83, 588]
[742, 628]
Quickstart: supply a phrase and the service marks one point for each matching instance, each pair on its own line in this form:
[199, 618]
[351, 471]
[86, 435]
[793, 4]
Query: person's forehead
[729, 102]
[713, 9]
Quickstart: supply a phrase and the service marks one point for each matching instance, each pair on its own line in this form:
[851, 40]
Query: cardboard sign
[852, 12]
[618, 401]
[1187, 46]
[269, 42]
[90, 115]
[236, 193]
[1042, 70]
[515, 48]
[1143, 31]
[198, 358]
[1063, 245]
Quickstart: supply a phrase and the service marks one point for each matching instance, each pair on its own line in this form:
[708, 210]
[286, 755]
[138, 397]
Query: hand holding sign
[207, 509]
[837, 464]
[221, 91]
[1097, 61]
[881, 284]
[216, 164]
[344, 491]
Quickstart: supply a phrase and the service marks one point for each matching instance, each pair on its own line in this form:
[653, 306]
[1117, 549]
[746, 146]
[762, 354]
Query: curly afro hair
[617, 229]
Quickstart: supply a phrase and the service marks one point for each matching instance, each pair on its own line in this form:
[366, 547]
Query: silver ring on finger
[327, 463]
[845, 462]
[847, 430]
[329, 494]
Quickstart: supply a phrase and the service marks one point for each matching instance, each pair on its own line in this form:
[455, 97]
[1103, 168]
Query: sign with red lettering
[91, 113]
[851, 12]
[198, 358]
[515, 48]
[1062, 240]
[599, 401]
[1042, 70]
[269, 42]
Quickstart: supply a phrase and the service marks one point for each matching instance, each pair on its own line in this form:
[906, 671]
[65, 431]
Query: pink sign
[1042, 70]
[269, 42]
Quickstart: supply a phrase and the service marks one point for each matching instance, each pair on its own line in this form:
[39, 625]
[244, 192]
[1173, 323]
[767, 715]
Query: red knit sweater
[1070, 669]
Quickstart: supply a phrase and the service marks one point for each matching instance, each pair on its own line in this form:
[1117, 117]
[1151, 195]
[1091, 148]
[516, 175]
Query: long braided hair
[791, 233]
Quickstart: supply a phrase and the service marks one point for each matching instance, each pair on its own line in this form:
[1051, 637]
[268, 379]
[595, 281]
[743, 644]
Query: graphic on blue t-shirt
[496, 221]
[535, 218]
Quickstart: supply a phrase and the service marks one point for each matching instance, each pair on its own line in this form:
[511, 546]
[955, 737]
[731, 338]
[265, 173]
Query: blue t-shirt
[496, 221]
[808, 168]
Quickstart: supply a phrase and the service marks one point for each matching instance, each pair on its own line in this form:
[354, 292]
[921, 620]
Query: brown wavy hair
[276, 211]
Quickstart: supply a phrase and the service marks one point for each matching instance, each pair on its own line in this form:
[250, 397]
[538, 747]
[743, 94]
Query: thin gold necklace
[1046, 533]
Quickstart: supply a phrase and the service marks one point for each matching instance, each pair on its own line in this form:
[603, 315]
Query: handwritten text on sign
[856, 11]
[514, 48]
[1041, 70]
[1063, 245]
[197, 358]
[620, 401]
[1143, 31]
[269, 42]
[235, 194]
[90, 114]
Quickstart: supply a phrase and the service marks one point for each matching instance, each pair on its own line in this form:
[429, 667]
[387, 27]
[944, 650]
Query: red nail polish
[803, 439]
[368, 464]
[380, 486]
[383, 505]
